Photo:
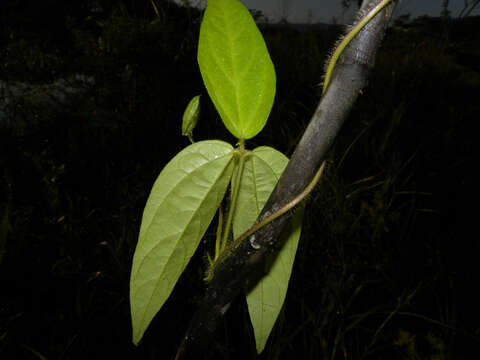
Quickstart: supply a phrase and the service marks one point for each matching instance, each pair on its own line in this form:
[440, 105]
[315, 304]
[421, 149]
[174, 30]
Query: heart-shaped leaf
[180, 207]
[260, 175]
[236, 67]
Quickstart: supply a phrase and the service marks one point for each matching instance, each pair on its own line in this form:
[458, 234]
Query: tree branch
[244, 261]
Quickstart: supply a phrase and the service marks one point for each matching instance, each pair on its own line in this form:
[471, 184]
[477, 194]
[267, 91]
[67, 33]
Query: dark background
[387, 264]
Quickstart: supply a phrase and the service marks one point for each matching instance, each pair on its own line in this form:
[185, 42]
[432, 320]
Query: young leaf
[236, 67]
[261, 173]
[179, 209]
[190, 117]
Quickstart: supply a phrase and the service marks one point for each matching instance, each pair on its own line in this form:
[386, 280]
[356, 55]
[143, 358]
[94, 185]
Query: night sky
[326, 10]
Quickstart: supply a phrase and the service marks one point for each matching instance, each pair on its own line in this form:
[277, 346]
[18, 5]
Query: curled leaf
[190, 117]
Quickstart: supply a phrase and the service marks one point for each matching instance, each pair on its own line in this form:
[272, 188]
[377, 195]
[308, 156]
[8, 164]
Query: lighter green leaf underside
[265, 300]
[180, 207]
[260, 175]
[236, 67]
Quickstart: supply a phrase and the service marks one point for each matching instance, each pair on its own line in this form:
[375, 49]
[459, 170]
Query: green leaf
[179, 209]
[190, 117]
[261, 173]
[236, 67]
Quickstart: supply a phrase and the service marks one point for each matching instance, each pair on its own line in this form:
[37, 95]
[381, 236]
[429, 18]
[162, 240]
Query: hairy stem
[219, 232]
[331, 65]
[348, 38]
